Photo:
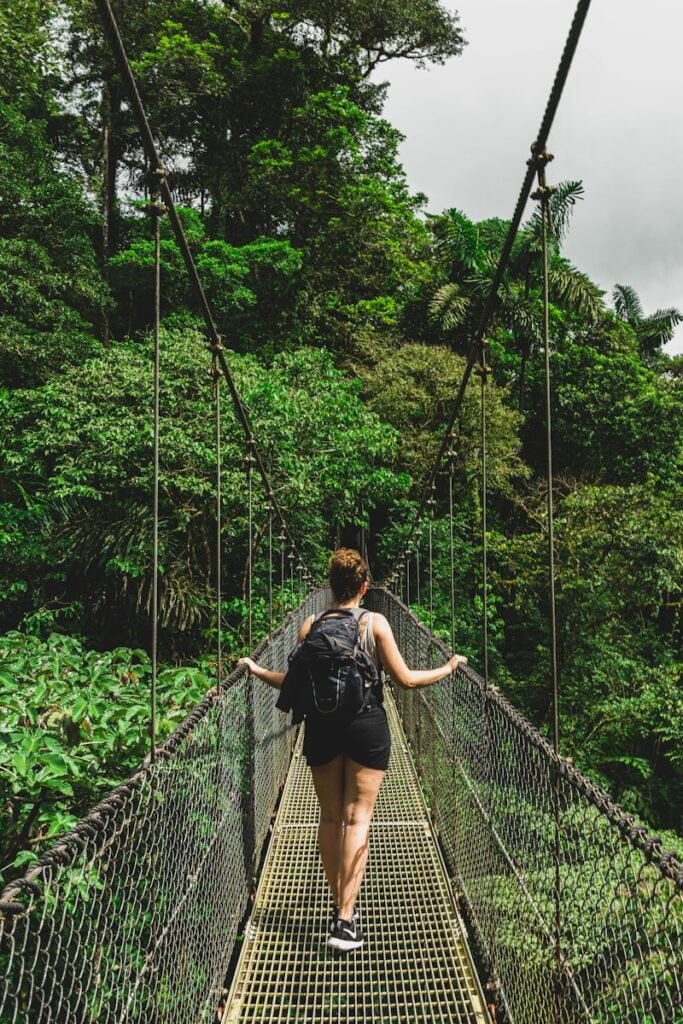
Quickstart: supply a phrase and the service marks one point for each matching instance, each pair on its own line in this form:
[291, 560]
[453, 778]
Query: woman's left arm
[274, 679]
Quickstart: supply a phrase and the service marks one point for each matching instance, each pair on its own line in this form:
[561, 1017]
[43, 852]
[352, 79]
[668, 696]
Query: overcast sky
[470, 124]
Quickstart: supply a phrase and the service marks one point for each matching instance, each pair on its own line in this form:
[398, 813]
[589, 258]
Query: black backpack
[329, 674]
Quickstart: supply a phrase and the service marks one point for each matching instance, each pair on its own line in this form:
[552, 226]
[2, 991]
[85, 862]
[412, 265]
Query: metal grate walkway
[414, 967]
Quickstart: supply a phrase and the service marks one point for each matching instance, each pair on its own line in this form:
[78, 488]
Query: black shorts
[365, 738]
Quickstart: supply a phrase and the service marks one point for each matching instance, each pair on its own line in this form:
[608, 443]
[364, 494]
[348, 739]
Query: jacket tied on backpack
[329, 673]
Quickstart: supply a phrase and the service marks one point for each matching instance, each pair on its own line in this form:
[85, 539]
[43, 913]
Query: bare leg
[360, 793]
[328, 781]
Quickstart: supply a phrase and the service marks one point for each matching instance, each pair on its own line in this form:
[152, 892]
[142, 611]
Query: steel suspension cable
[155, 210]
[484, 371]
[543, 195]
[249, 465]
[270, 565]
[121, 58]
[451, 467]
[418, 543]
[363, 541]
[481, 326]
[283, 540]
[217, 374]
[431, 505]
[291, 557]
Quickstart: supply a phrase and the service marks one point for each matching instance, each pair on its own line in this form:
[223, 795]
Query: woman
[348, 758]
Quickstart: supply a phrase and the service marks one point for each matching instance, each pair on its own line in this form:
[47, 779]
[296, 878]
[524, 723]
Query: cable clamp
[155, 207]
[540, 158]
[543, 192]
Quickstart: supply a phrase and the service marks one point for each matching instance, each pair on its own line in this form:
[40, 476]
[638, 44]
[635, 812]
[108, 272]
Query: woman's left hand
[251, 665]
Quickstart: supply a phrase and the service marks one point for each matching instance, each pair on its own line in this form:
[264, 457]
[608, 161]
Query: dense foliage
[346, 317]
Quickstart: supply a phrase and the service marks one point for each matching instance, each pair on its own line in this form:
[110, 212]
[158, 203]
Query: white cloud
[469, 127]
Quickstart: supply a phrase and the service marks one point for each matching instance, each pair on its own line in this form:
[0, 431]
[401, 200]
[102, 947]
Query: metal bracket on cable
[544, 191]
[483, 369]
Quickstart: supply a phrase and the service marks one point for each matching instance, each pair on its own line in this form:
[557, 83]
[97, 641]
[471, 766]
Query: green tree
[76, 477]
[470, 254]
[619, 553]
[614, 419]
[51, 292]
[339, 194]
[652, 332]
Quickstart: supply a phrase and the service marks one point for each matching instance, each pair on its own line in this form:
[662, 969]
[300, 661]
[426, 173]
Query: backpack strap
[357, 613]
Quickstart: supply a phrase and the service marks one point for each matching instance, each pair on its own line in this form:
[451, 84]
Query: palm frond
[561, 205]
[575, 291]
[457, 240]
[522, 318]
[627, 304]
[659, 328]
[449, 307]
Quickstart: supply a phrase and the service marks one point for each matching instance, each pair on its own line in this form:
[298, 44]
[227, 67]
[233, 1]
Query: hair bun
[348, 572]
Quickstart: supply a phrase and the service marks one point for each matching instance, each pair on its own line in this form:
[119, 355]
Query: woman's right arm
[273, 679]
[393, 662]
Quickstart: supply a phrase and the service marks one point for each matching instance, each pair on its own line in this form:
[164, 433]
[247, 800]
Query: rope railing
[133, 915]
[493, 799]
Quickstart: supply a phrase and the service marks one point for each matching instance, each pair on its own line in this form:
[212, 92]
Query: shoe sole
[345, 945]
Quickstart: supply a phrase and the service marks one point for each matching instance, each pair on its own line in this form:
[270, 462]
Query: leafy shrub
[74, 723]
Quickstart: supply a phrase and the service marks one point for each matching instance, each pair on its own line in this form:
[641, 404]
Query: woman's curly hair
[347, 573]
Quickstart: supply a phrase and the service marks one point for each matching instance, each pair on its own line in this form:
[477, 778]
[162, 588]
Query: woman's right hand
[457, 659]
[251, 665]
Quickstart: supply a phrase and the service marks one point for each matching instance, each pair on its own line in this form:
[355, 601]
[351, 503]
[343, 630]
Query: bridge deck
[414, 965]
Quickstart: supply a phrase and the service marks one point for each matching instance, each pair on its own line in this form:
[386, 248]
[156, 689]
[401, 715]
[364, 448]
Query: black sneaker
[335, 915]
[333, 918]
[346, 935]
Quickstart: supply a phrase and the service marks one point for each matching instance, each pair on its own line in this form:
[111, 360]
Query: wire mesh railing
[133, 915]
[577, 912]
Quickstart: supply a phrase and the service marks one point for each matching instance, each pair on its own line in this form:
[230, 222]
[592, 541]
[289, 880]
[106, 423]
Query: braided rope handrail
[74, 839]
[68, 845]
[649, 844]
[524, 831]
[116, 919]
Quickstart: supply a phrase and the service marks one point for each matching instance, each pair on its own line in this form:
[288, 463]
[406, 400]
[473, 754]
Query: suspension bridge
[502, 883]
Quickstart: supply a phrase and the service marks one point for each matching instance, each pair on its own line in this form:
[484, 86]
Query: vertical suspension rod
[249, 465]
[451, 466]
[543, 196]
[270, 564]
[217, 374]
[156, 210]
[483, 372]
